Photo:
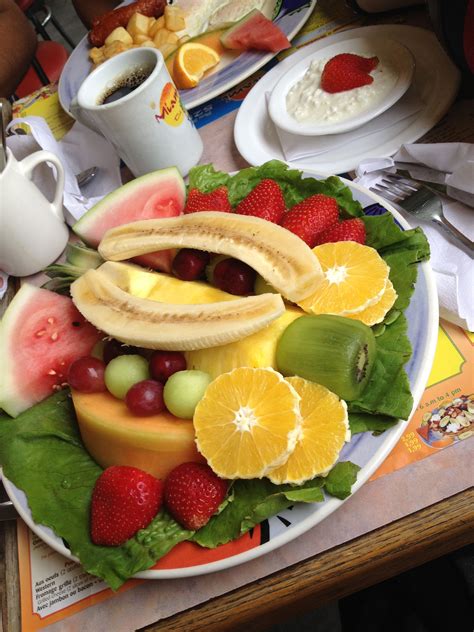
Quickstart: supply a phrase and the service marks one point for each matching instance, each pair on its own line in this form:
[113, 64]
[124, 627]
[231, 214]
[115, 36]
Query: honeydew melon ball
[123, 372]
[183, 390]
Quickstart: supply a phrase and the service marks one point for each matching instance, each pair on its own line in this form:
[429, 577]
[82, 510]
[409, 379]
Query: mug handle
[30, 162]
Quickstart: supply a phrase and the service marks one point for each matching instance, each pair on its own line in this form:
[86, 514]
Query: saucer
[436, 82]
[347, 110]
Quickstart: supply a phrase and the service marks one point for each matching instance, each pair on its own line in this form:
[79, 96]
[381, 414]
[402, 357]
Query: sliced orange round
[246, 423]
[355, 277]
[191, 62]
[321, 436]
[376, 313]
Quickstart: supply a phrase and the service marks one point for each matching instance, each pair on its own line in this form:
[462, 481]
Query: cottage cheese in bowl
[299, 105]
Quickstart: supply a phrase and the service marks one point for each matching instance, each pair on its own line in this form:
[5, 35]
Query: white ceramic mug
[149, 127]
[32, 229]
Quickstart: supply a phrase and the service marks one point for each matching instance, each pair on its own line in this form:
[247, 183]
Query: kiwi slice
[336, 352]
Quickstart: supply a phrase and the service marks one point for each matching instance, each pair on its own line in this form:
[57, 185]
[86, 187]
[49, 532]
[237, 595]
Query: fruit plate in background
[366, 450]
[435, 83]
[229, 72]
[392, 55]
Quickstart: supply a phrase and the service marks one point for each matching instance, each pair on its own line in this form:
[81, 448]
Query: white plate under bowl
[365, 449]
[436, 82]
[392, 55]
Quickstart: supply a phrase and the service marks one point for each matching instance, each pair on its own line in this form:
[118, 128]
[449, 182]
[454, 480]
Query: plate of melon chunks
[304, 383]
[227, 67]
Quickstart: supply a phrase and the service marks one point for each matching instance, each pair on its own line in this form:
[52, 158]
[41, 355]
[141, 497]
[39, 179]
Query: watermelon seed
[50, 320]
[40, 333]
[54, 335]
[51, 372]
[75, 323]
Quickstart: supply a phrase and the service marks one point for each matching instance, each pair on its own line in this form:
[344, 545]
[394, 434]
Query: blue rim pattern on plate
[366, 450]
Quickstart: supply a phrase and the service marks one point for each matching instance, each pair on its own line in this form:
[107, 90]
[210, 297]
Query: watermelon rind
[85, 228]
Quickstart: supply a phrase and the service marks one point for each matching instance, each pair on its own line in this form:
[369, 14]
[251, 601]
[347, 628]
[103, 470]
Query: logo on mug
[170, 109]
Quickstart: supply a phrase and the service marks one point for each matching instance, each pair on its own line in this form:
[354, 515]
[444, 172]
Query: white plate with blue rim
[299, 105]
[230, 71]
[365, 449]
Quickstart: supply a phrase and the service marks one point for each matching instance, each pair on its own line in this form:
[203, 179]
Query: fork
[422, 202]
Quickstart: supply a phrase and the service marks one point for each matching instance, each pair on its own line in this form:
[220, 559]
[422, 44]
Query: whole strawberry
[265, 201]
[348, 230]
[217, 200]
[311, 217]
[193, 494]
[124, 500]
[346, 72]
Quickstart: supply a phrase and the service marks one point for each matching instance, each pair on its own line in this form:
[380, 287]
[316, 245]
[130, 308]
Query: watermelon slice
[41, 333]
[255, 31]
[158, 194]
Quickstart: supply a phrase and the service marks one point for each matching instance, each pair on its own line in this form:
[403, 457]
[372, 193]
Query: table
[405, 542]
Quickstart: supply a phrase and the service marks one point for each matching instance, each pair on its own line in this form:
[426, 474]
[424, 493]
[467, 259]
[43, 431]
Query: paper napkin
[453, 268]
[78, 150]
[296, 147]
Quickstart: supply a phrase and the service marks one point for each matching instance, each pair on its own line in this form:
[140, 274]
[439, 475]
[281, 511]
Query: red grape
[234, 276]
[165, 363]
[145, 398]
[86, 375]
[189, 264]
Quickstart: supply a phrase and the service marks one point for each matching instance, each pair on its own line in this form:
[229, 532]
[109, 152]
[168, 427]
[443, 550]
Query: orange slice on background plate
[247, 421]
[321, 436]
[355, 277]
[191, 62]
[376, 313]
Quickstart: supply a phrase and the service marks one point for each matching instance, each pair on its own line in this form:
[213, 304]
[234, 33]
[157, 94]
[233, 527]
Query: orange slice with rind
[247, 421]
[355, 277]
[191, 62]
[321, 436]
[375, 314]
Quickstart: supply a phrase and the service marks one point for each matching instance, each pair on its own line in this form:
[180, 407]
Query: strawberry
[193, 494]
[217, 200]
[311, 217]
[348, 230]
[124, 500]
[265, 200]
[347, 71]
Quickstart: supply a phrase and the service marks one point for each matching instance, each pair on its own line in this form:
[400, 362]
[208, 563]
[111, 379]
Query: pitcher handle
[32, 161]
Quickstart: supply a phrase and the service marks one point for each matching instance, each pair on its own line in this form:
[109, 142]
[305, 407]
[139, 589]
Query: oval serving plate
[394, 59]
[364, 449]
[230, 71]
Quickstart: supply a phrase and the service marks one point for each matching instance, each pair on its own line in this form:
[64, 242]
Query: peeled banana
[278, 255]
[104, 301]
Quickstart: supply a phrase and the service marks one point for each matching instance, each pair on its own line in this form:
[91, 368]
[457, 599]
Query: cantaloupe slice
[114, 436]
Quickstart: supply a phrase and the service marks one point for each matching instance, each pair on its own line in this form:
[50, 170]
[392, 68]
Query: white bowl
[392, 78]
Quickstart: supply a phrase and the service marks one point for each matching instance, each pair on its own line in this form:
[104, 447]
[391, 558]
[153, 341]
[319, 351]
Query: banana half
[102, 298]
[278, 255]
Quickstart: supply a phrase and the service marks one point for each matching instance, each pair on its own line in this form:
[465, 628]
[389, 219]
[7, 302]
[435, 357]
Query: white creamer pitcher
[32, 229]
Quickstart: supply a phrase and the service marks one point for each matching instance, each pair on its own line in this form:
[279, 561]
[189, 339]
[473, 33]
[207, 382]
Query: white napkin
[296, 147]
[78, 150]
[453, 268]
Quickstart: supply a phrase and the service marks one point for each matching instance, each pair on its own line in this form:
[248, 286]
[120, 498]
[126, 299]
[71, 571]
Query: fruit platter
[214, 370]
[227, 41]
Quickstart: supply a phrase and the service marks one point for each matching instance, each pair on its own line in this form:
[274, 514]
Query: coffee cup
[132, 101]
[32, 229]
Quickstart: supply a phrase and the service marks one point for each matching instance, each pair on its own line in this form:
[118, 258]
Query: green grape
[123, 372]
[183, 390]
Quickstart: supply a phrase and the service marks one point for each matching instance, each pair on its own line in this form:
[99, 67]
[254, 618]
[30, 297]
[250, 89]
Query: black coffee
[125, 85]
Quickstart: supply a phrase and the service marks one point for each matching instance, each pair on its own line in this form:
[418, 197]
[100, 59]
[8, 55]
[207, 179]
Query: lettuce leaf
[365, 422]
[295, 188]
[41, 452]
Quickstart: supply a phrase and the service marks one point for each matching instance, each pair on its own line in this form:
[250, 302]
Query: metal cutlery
[422, 202]
[7, 510]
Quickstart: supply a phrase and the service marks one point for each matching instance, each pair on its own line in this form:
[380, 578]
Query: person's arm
[17, 46]
[87, 10]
